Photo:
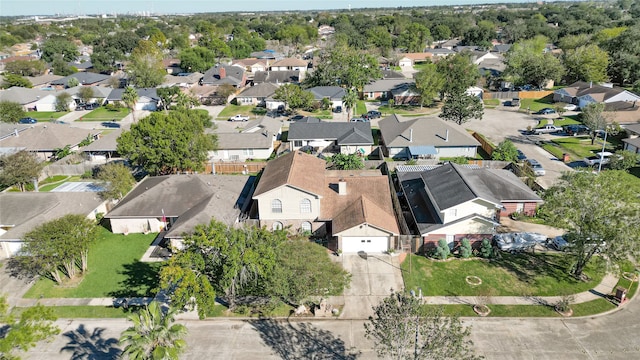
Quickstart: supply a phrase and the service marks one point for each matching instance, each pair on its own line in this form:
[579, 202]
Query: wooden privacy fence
[235, 167]
[484, 143]
[516, 94]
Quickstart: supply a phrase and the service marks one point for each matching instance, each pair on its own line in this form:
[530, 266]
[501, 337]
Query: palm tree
[130, 97]
[152, 336]
[349, 100]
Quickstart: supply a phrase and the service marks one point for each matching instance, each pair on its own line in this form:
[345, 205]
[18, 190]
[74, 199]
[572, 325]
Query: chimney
[222, 72]
[446, 136]
[342, 187]
[410, 135]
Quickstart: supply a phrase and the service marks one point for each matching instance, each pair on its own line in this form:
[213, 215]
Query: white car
[571, 107]
[239, 118]
[603, 157]
[536, 167]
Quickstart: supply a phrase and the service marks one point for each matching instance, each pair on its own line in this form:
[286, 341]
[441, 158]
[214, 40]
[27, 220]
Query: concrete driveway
[371, 280]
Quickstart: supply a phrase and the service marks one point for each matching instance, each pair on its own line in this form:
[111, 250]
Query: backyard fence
[515, 94]
[235, 167]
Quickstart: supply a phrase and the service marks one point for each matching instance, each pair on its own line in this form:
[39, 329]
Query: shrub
[259, 111]
[442, 250]
[486, 250]
[465, 248]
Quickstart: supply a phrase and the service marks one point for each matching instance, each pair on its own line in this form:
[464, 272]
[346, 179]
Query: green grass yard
[514, 275]
[534, 105]
[114, 270]
[361, 107]
[232, 110]
[46, 115]
[104, 114]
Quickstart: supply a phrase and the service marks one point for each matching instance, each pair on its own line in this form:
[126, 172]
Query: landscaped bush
[442, 250]
[465, 249]
[486, 250]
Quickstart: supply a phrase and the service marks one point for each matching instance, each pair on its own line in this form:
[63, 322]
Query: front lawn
[114, 270]
[46, 115]
[580, 146]
[232, 110]
[565, 120]
[512, 275]
[361, 107]
[407, 110]
[534, 105]
[104, 114]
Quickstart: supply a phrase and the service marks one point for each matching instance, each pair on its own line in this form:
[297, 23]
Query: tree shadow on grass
[141, 279]
[292, 341]
[527, 267]
[85, 345]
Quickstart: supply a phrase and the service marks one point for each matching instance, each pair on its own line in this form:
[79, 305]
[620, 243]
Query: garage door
[374, 244]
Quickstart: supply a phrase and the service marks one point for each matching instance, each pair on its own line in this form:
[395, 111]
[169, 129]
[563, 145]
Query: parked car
[521, 156]
[239, 118]
[547, 129]
[111, 124]
[91, 106]
[559, 243]
[571, 107]
[337, 109]
[296, 118]
[536, 167]
[576, 129]
[545, 111]
[374, 114]
[604, 157]
[359, 119]
[514, 102]
[27, 120]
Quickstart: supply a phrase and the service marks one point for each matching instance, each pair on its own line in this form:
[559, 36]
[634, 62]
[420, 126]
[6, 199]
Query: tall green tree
[19, 169]
[293, 96]
[168, 95]
[429, 83]
[35, 324]
[168, 143]
[624, 56]
[11, 112]
[593, 116]
[505, 151]
[146, 67]
[599, 213]
[586, 63]
[460, 107]
[220, 260]
[55, 47]
[528, 63]
[346, 162]
[414, 38]
[86, 94]
[116, 179]
[130, 98]
[350, 100]
[624, 160]
[26, 67]
[345, 67]
[11, 80]
[154, 336]
[62, 101]
[197, 59]
[459, 73]
[402, 328]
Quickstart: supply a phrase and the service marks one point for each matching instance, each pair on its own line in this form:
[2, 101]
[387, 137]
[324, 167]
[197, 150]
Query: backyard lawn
[537, 104]
[515, 275]
[361, 107]
[114, 270]
[231, 110]
[104, 114]
[46, 115]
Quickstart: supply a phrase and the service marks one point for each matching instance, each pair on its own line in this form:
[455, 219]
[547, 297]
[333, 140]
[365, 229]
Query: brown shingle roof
[296, 169]
[48, 137]
[289, 62]
[368, 200]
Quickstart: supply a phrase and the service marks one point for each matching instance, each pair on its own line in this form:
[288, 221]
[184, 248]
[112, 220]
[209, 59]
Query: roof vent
[342, 187]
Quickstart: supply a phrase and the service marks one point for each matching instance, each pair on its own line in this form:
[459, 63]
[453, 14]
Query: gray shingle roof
[82, 77]
[116, 94]
[107, 142]
[257, 140]
[234, 75]
[388, 85]
[48, 137]
[331, 92]
[346, 133]
[426, 131]
[22, 95]
[277, 77]
[259, 91]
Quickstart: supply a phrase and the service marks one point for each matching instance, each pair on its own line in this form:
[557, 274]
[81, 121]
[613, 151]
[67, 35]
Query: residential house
[502, 48]
[351, 208]
[289, 64]
[440, 53]
[225, 74]
[334, 93]
[83, 78]
[23, 96]
[44, 140]
[104, 148]
[177, 203]
[382, 89]
[256, 141]
[182, 80]
[424, 137]
[583, 93]
[325, 30]
[453, 202]
[405, 62]
[410, 59]
[252, 65]
[257, 94]
[278, 77]
[390, 74]
[148, 98]
[43, 82]
[449, 44]
[406, 94]
[267, 55]
[21, 212]
[632, 143]
[5, 59]
[82, 64]
[172, 66]
[331, 137]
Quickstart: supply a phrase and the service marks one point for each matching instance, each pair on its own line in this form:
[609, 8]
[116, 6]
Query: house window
[305, 206]
[248, 152]
[453, 212]
[277, 226]
[276, 206]
[305, 226]
[297, 143]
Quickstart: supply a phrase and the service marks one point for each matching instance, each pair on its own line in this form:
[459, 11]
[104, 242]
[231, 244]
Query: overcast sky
[84, 7]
